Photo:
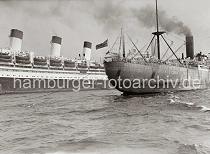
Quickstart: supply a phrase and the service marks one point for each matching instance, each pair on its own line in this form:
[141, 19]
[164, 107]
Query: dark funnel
[189, 47]
[16, 33]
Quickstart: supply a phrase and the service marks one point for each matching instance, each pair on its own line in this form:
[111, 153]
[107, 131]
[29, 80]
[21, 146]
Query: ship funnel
[16, 37]
[87, 51]
[56, 46]
[189, 47]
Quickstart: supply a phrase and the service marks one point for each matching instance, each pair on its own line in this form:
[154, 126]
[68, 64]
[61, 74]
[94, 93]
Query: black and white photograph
[104, 77]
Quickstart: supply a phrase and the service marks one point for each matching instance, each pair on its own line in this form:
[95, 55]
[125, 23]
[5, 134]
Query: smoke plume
[110, 14]
[113, 15]
[146, 16]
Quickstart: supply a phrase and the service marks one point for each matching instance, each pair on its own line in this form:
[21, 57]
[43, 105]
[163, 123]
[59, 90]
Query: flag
[102, 45]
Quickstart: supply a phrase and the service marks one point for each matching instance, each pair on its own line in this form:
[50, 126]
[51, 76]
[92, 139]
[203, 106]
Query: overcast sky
[97, 20]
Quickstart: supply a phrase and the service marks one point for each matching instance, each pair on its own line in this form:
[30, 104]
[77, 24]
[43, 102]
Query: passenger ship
[22, 71]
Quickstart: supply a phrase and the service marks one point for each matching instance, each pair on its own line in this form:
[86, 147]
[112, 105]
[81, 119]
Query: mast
[158, 36]
[120, 41]
[160, 33]
[123, 41]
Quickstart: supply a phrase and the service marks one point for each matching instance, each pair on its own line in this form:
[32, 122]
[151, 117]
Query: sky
[77, 21]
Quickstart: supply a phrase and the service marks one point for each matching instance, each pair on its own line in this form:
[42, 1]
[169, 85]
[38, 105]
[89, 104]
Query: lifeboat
[55, 62]
[4, 53]
[95, 66]
[5, 60]
[82, 65]
[23, 58]
[5, 57]
[69, 63]
[23, 61]
[40, 61]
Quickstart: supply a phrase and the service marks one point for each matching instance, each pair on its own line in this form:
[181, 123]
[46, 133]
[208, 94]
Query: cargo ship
[22, 71]
[148, 73]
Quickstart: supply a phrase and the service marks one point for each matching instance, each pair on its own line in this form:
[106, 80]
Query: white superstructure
[18, 64]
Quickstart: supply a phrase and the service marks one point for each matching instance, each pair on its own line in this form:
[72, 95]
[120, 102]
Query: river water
[105, 122]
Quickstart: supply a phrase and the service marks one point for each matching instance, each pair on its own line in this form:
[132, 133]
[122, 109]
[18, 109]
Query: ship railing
[96, 73]
[23, 65]
[149, 62]
[40, 66]
[70, 68]
[37, 70]
[93, 70]
[55, 67]
[44, 67]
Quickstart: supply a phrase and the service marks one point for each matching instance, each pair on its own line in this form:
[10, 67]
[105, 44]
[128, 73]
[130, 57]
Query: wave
[171, 101]
[91, 110]
[174, 100]
[60, 152]
[109, 116]
[198, 127]
[80, 146]
[98, 110]
[192, 149]
[178, 102]
[205, 109]
[120, 115]
[195, 106]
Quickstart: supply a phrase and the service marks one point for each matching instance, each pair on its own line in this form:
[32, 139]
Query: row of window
[51, 77]
[55, 72]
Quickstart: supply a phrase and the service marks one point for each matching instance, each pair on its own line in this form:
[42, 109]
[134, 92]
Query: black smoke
[114, 15]
[146, 16]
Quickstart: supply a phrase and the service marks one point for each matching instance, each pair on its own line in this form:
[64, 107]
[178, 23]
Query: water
[93, 122]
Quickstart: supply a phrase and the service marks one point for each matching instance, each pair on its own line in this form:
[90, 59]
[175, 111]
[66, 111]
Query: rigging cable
[136, 48]
[140, 50]
[131, 49]
[150, 43]
[167, 50]
[114, 43]
[171, 49]
[175, 51]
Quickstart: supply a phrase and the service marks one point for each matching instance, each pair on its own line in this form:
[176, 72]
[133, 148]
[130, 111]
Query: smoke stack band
[56, 46]
[87, 44]
[16, 37]
[16, 33]
[87, 50]
[56, 39]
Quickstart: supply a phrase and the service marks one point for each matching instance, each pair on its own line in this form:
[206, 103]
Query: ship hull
[155, 78]
[30, 80]
[31, 85]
